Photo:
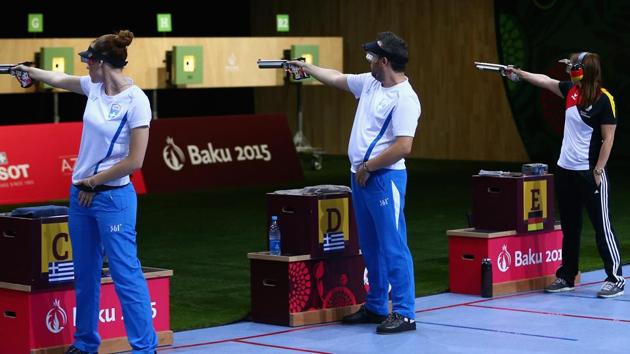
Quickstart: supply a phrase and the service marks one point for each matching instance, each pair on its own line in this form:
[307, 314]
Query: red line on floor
[248, 337]
[475, 302]
[550, 313]
[595, 282]
[288, 331]
[470, 303]
[281, 347]
[532, 292]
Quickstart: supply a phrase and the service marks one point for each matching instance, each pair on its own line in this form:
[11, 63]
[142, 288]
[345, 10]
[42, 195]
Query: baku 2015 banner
[184, 154]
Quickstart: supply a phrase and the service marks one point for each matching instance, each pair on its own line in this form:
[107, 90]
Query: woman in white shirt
[103, 202]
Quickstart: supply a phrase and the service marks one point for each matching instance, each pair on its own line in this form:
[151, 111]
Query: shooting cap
[93, 54]
[375, 48]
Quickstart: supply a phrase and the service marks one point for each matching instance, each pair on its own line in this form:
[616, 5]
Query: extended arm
[328, 77]
[539, 80]
[54, 78]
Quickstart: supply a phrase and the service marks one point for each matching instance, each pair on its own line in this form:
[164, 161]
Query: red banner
[48, 318]
[525, 256]
[517, 257]
[37, 160]
[187, 154]
[184, 154]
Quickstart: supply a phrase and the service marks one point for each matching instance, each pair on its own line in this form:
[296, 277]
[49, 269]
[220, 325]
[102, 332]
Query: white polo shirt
[582, 139]
[107, 124]
[383, 113]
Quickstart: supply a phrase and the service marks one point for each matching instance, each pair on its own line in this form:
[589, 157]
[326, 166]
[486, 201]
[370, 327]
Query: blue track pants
[110, 224]
[383, 239]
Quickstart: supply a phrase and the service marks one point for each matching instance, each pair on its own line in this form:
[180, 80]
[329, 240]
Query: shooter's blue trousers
[383, 239]
[109, 223]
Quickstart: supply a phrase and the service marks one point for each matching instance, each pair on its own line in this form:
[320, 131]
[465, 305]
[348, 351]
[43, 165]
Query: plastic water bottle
[274, 237]
[486, 278]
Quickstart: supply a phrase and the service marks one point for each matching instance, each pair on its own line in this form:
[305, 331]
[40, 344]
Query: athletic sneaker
[396, 323]
[363, 315]
[559, 285]
[610, 289]
[75, 350]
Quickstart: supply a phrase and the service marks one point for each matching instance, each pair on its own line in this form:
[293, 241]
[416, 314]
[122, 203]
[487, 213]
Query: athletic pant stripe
[396, 198]
[609, 236]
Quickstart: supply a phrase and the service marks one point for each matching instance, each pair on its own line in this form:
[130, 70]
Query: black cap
[91, 53]
[373, 47]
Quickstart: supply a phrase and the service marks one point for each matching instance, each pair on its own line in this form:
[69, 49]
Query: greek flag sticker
[60, 271]
[114, 111]
[333, 242]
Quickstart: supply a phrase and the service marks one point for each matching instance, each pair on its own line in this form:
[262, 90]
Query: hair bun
[124, 38]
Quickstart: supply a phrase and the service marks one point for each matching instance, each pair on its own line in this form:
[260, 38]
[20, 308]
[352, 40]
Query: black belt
[100, 188]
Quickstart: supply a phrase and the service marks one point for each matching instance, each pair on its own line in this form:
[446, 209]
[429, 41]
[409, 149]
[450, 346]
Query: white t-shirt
[383, 114]
[107, 124]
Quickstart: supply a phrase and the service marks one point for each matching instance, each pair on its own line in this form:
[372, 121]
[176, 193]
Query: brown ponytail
[591, 83]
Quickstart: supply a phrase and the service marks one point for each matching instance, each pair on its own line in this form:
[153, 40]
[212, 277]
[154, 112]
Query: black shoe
[396, 323]
[363, 315]
[75, 350]
[559, 285]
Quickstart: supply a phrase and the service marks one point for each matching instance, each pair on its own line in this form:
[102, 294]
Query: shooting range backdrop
[534, 35]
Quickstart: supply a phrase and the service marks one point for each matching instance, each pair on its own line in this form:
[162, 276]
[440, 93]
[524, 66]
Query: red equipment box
[300, 290]
[317, 224]
[524, 203]
[520, 262]
[43, 322]
[31, 247]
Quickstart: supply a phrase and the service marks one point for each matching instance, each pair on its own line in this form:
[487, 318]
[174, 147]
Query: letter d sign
[334, 216]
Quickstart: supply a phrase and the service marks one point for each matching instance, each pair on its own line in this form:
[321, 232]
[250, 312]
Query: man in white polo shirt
[382, 135]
